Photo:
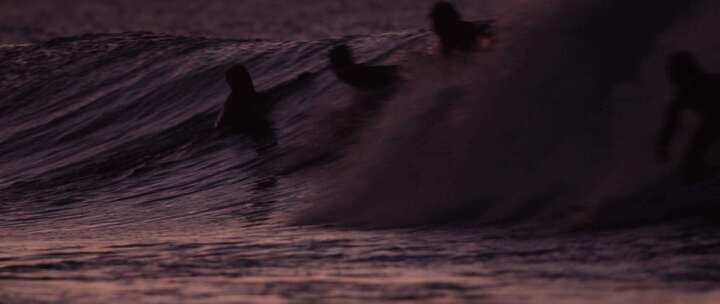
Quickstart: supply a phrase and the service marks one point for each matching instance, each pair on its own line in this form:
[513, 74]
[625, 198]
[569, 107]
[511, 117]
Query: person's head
[239, 79]
[683, 67]
[444, 13]
[340, 56]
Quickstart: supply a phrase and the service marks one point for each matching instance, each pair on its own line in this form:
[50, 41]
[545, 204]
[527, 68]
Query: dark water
[518, 175]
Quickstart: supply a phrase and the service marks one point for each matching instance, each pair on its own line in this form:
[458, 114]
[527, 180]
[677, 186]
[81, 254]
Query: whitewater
[520, 174]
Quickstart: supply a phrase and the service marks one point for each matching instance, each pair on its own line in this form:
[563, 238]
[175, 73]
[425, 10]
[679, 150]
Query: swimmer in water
[247, 111]
[698, 91]
[455, 34]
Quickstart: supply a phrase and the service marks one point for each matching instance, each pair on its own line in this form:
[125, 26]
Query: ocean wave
[538, 130]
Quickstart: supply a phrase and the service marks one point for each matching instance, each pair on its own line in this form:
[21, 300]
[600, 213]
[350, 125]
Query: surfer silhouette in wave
[361, 76]
[698, 91]
[247, 111]
[458, 35]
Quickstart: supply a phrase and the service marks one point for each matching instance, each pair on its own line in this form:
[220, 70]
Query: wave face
[125, 122]
[116, 130]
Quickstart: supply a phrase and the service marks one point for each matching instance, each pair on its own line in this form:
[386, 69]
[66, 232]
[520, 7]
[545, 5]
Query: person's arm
[485, 31]
[274, 95]
[484, 27]
[222, 118]
[668, 130]
[220, 121]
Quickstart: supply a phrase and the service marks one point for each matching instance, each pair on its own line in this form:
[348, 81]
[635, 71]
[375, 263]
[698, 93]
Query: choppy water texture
[518, 175]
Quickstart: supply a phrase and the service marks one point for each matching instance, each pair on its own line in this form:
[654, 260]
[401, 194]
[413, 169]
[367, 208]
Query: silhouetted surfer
[246, 111]
[455, 34]
[698, 91]
[360, 75]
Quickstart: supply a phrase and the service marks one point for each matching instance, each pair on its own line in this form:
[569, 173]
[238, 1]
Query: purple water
[523, 174]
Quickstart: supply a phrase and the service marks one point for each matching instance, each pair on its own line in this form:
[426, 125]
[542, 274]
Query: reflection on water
[273, 264]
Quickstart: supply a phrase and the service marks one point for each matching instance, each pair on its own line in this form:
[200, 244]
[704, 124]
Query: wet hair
[682, 67]
[444, 12]
[341, 56]
[239, 78]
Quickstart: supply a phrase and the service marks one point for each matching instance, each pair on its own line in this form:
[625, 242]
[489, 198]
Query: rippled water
[517, 175]
[229, 264]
